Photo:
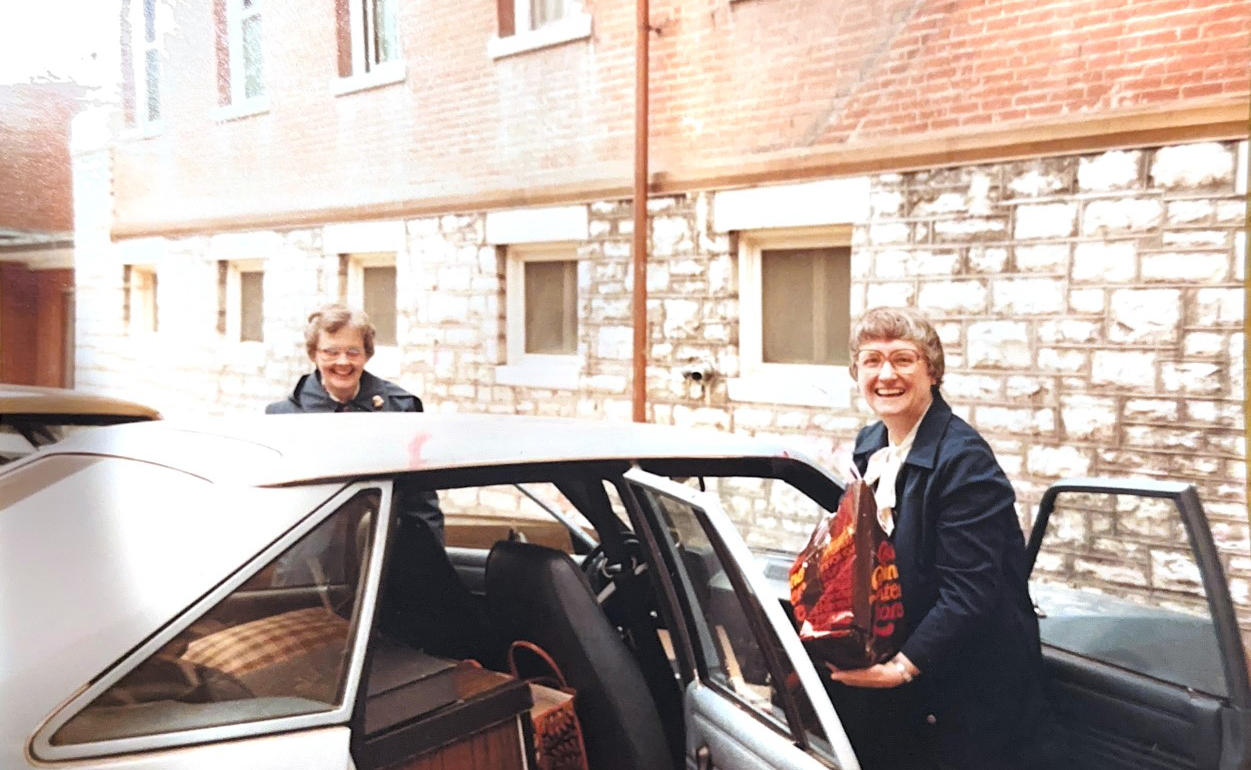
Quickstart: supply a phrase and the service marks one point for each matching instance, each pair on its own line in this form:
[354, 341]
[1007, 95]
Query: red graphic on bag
[845, 586]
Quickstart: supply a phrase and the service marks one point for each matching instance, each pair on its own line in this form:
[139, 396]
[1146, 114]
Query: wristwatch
[903, 670]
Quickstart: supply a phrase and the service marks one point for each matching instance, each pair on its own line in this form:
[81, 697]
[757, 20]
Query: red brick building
[743, 91]
[36, 233]
[1060, 184]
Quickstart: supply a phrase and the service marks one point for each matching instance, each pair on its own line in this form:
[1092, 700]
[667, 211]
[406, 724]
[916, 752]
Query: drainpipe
[642, 41]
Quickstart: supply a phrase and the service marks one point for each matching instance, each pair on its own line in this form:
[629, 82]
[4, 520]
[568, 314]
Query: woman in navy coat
[966, 690]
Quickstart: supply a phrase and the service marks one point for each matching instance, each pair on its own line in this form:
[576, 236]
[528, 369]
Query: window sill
[247, 352]
[258, 105]
[145, 130]
[551, 372]
[819, 386]
[575, 27]
[388, 73]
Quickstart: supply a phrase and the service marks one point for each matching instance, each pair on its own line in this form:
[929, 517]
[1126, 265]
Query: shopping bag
[845, 586]
[558, 743]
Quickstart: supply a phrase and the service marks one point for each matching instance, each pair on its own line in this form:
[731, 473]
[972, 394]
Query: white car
[254, 594]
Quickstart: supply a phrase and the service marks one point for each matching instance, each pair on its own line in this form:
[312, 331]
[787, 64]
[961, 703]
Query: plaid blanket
[256, 644]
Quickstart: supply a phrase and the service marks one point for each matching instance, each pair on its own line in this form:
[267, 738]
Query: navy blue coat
[971, 624]
[375, 395]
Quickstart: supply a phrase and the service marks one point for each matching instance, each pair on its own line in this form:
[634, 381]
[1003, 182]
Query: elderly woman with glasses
[966, 690]
[340, 341]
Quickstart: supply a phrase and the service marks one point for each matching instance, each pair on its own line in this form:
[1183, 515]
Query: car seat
[539, 594]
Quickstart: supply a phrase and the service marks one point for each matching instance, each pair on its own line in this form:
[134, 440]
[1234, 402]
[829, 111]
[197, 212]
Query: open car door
[752, 697]
[1139, 635]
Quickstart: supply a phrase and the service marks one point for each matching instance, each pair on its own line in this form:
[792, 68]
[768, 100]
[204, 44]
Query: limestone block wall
[1090, 306]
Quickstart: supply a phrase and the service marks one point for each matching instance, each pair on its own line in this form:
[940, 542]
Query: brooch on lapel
[377, 402]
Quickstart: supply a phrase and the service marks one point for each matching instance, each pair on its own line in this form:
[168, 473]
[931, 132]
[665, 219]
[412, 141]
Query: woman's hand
[894, 672]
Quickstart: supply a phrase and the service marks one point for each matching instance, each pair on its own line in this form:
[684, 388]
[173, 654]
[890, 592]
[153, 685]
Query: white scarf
[884, 465]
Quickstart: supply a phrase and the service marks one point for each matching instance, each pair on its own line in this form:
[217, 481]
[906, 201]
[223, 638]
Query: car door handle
[703, 758]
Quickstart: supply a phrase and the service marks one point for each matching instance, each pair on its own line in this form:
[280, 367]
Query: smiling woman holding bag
[966, 689]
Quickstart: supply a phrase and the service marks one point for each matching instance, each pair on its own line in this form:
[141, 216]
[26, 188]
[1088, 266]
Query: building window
[241, 300]
[804, 294]
[533, 14]
[528, 24]
[147, 63]
[369, 36]
[369, 283]
[139, 303]
[239, 51]
[795, 315]
[541, 314]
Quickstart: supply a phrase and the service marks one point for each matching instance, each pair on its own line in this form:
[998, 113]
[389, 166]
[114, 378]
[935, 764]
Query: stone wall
[1091, 308]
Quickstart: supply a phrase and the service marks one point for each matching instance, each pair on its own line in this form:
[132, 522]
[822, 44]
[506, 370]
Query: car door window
[733, 645]
[1116, 581]
[478, 517]
[278, 645]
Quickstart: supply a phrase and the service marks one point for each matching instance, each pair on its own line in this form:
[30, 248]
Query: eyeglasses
[902, 361]
[332, 353]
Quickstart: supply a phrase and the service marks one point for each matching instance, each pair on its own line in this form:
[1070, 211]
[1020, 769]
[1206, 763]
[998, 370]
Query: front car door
[1139, 634]
[752, 697]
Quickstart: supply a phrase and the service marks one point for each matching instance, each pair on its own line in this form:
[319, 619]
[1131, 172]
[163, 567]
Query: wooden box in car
[428, 713]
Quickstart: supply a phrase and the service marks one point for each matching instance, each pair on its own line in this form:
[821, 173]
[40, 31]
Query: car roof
[274, 450]
[70, 406]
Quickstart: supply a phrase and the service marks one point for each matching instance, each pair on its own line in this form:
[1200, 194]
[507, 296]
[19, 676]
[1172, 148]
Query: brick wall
[732, 82]
[35, 165]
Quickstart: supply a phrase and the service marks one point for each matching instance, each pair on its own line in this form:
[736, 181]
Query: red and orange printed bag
[845, 586]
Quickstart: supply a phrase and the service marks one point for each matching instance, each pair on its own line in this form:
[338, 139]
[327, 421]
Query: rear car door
[752, 698]
[1139, 634]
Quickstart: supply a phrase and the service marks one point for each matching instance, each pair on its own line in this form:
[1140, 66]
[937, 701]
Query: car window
[277, 646]
[772, 515]
[735, 661]
[1116, 581]
[478, 517]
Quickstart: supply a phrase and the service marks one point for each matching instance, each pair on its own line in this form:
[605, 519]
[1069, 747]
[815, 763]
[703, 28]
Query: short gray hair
[900, 323]
[332, 318]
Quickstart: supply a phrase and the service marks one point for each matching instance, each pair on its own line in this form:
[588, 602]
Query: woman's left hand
[899, 670]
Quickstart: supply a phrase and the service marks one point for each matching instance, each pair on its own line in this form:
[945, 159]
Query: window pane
[380, 302]
[478, 517]
[142, 300]
[251, 306]
[152, 83]
[253, 81]
[805, 294]
[1116, 581]
[280, 643]
[734, 655]
[551, 307]
[546, 11]
[386, 31]
[149, 21]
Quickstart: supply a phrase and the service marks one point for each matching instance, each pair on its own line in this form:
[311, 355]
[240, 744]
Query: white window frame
[240, 105]
[795, 384]
[574, 25]
[234, 300]
[140, 48]
[142, 301]
[559, 372]
[366, 73]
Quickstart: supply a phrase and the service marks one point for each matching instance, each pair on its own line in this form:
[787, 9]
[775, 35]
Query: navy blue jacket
[971, 623]
[375, 395]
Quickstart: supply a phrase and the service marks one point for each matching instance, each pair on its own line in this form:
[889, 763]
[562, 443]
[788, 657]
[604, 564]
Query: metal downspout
[642, 41]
